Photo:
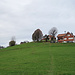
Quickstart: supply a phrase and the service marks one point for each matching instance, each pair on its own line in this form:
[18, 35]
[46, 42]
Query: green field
[38, 59]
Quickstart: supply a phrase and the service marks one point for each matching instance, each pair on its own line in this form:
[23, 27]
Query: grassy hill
[38, 59]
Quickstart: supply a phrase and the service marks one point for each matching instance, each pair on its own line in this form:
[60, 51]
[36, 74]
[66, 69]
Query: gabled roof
[51, 36]
[61, 35]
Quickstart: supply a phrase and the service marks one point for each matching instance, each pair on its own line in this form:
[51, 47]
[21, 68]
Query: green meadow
[38, 59]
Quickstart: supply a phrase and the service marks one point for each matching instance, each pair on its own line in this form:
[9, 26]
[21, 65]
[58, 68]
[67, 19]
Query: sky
[20, 18]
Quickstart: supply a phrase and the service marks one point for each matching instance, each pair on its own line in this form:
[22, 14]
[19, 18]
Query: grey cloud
[20, 18]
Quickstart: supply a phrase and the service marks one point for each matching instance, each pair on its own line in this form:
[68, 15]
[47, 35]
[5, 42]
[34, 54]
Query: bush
[12, 43]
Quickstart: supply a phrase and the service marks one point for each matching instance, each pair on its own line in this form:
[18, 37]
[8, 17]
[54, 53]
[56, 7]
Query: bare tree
[13, 38]
[37, 35]
[53, 32]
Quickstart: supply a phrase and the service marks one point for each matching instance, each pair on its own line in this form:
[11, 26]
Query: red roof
[43, 38]
[51, 36]
[61, 35]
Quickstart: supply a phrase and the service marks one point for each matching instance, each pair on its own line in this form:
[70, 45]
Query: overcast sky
[20, 18]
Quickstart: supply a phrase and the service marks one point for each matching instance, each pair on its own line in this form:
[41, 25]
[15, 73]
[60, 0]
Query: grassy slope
[38, 59]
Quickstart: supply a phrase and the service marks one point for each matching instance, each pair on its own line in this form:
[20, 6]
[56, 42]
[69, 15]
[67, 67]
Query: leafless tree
[13, 38]
[37, 35]
[53, 32]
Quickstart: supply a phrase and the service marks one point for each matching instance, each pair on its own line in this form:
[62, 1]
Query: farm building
[49, 37]
[67, 37]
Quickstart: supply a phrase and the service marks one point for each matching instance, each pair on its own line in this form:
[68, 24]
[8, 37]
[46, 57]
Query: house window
[68, 35]
[65, 38]
[70, 38]
[64, 41]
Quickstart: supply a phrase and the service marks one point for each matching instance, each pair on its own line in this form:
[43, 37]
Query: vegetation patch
[38, 59]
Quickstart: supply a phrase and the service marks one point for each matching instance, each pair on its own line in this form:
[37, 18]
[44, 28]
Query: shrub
[12, 43]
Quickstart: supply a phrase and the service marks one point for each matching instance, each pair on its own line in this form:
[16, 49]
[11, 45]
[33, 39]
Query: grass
[38, 59]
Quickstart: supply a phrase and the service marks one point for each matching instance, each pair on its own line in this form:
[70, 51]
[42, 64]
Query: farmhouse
[67, 37]
[49, 37]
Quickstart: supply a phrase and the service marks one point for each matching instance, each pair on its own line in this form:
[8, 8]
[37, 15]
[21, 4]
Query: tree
[37, 35]
[33, 37]
[53, 32]
[12, 42]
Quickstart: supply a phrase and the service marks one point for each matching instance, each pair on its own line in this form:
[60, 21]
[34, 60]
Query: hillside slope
[38, 59]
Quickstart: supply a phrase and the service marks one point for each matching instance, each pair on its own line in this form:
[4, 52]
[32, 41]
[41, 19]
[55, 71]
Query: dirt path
[51, 72]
